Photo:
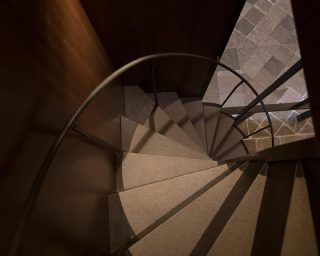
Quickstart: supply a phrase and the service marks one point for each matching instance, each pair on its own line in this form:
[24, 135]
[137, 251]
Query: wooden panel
[307, 20]
[131, 29]
[50, 60]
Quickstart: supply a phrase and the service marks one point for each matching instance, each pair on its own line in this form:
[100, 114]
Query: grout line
[182, 175]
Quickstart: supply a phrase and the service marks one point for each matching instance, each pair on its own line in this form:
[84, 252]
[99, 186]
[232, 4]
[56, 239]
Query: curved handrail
[258, 100]
[44, 168]
[232, 91]
[254, 92]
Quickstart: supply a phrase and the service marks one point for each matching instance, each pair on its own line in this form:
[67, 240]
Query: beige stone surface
[194, 110]
[140, 108]
[138, 105]
[142, 169]
[211, 115]
[233, 139]
[140, 139]
[144, 205]
[160, 122]
[251, 145]
[181, 232]
[178, 114]
[237, 237]
[236, 152]
[225, 123]
[299, 238]
[264, 44]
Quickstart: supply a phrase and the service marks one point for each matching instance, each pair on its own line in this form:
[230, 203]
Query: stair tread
[160, 122]
[237, 235]
[274, 208]
[211, 116]
[141, 169]
[234, 137]
[141, 108]
[224, 125]
[179, 234]
[137, 138]
[145, 205]
[299, 237]
[165, 98]
[158, 198]
[194, 110]
[138, 106]
[237, 151]
[179, 115]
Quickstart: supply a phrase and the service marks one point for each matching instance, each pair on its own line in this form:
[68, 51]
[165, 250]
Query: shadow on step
[274, 209]
[152, 123]
[197, 118]
[183, 204]
[311, 170]
[147, 136]
[228, 207]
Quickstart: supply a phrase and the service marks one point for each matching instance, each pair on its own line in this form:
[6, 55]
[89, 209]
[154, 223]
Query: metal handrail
[233, 90]
[257, 99]
[153, 82]
[295, 68]
[43, 171]
[300, 104]
[303, 116]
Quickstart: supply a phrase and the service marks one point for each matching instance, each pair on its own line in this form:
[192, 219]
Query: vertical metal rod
[95, 140]
[275, 85]
[154, 86]
[303, 116]
[300, 104]
[257, 131]
[233, 90]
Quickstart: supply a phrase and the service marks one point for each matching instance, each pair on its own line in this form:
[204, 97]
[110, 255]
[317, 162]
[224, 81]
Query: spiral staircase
[174, 198]
[187, 185]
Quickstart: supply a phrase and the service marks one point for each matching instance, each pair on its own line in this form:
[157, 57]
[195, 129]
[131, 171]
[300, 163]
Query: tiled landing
[262, 46]
[285, 130]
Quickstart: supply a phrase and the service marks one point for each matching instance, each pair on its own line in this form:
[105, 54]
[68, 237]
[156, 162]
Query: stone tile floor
[285, 129]
[262, 46]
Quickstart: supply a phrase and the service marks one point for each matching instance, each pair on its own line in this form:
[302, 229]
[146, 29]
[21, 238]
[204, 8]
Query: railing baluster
[303, 116]
[275, 85]
[94, 140]
[257, 131]
[154, 86]
[300, 104]
[233, 90]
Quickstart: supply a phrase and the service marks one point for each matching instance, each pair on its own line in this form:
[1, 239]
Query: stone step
[235, 137]
[137, 138]
[141, 169]
[160, 122]
[144, 206]
[299, 237]
[139, 107]
[237, 151]
[178, 114]
[211, 116]
[224, 125]
[179, 234]
[194, 110]
[237, 236]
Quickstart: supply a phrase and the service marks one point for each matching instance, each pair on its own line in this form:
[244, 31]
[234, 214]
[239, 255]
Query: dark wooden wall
[50, 60]
[131, 29]
[307, 19]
